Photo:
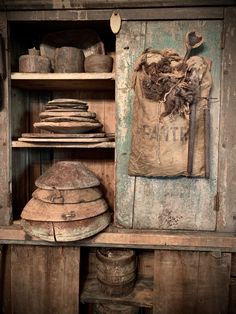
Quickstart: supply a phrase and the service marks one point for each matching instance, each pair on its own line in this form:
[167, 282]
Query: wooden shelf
[147, 239]
[141, 296]
[64, 81]
[18, 144]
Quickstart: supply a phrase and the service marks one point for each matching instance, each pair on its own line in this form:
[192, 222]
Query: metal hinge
[217, 202]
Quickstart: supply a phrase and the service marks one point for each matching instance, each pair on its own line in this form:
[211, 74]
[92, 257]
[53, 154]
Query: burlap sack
[160, 142]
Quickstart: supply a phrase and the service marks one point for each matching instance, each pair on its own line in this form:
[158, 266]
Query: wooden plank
[63, 81]
[113, 4]
[19, 112]
[145, 263]
[65, 135]
[6, 280]
[141, 295]
[183, 203]
[233, 265]
[232, 296]
[1, 275]
[227, 173]
[213, 282]
[199, 241]
[5, 192]
[20, 181]
[69, 144]
[190, 282]
[126, 14]
[129, 45]
[45, 279]
[20, 122]
[63, 140]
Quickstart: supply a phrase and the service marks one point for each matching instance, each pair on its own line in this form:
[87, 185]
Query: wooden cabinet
[179, 271]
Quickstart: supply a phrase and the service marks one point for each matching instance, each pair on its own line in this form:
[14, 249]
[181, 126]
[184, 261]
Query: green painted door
[164, 203]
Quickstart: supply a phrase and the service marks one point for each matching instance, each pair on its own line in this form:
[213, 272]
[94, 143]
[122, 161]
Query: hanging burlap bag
[160, 137]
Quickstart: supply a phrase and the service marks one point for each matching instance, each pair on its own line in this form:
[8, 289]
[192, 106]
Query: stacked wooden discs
[67, 116]
[116, 270]
[67, 204]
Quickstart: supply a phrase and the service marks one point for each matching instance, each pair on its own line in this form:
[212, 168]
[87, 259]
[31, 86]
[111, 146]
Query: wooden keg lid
[67, 175]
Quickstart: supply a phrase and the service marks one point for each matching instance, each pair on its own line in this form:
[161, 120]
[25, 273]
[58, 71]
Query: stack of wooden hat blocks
[67, 204]
[67, 116]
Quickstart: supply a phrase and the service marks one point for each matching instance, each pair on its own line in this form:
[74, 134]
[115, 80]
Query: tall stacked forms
[67, 205]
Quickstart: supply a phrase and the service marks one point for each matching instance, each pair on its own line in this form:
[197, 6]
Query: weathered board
[227, 171]
[45, 279]
[5, 206]
[157, 203]
[191, 282]
[71, 4]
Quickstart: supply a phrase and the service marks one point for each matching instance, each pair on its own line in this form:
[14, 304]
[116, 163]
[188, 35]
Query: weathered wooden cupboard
[183, 230]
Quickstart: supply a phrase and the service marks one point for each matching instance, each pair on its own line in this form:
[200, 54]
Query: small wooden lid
[67, 175]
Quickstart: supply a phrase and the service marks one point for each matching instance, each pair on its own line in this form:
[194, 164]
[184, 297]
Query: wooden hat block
[67, 175]
[67, 205]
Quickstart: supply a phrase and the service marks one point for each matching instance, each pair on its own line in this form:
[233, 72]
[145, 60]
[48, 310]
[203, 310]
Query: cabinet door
[158, 203]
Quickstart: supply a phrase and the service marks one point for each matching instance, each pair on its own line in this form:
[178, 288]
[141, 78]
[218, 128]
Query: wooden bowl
[98, 63]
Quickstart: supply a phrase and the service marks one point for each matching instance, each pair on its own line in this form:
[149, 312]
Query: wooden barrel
[103, 308]
[116, 270]
[69, 60]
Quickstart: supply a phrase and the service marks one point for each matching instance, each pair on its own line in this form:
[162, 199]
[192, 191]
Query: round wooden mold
[66, 231]
[98, 63]
[67, 101]
[68, 127]
[40, 211]
[71, 113]
[67, 196]
[116, 271]
[68, 119]
[67, 175]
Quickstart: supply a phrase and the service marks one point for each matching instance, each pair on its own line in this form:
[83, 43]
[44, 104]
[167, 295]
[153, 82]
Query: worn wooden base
[141, 295]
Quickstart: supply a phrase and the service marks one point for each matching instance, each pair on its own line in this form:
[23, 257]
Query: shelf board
[64, 81]
[143, 239]
[18, 144]
[141, 296]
